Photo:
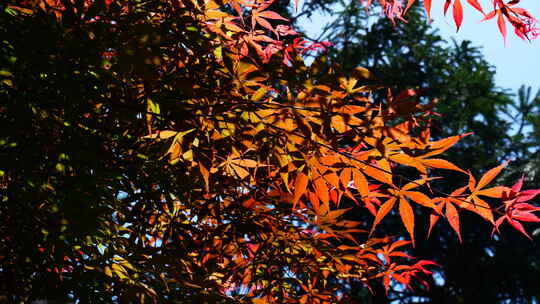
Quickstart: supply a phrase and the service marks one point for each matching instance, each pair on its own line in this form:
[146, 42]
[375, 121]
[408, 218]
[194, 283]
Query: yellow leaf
[239, 171]
[107, 271]
[259, 94]
[188, 155]
[285, 178]
[152, 107]
[248, 163]
[119, 271]
[214, 14]
[162, 134]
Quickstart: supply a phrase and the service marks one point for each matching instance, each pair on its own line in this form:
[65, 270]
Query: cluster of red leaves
[525, 25]
[242, 35]
[515, 208]
[513, 203]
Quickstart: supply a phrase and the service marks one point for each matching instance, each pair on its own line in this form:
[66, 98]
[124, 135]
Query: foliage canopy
[182, 151]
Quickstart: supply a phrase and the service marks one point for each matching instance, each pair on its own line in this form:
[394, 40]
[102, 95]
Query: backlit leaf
[407, 216]
[476, 5]
[300, 186]
[489, 176]
[453, 218]
[502, 25]
[458, 13]
[382, 212]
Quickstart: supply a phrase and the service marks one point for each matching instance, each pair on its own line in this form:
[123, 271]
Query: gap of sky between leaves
[517, 63]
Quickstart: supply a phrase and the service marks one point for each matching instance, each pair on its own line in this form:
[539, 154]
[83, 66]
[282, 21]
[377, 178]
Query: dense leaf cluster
[181, 151]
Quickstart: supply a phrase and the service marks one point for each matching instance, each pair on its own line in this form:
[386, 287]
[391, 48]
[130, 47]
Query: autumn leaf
[321, 189]
[451, 212]
[259, 17]
[388, 252]
[487, 178]
[458, 13]
[502, 25]
[162, 134]
[237, 166]
[476, 5]
[249, 129]
[300, 186]
[382, 212]
[427, 7]
[516, 209]
[407, 216]
[475, 203]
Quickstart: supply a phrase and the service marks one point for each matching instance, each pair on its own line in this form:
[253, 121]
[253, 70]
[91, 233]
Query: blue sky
[516, 63]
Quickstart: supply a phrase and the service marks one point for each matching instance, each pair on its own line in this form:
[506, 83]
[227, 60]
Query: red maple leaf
[516, 210]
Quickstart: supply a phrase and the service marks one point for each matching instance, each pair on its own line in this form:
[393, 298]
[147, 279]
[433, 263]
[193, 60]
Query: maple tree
[209, 162]
[490, 273]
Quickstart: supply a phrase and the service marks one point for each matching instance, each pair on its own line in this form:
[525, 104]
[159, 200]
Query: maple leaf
[451, 212]
[427, 8]
[476, 5]
[393, 9]
[405, 210]
[457, 12]
[260, 138]
[404, 273]
[422, 162]
[389, 251]
[475, 203]
[300, 187]
[525, 25]
[285, 30]
[259, 17]
[419, 267]
[516, 209]
[237, 166]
